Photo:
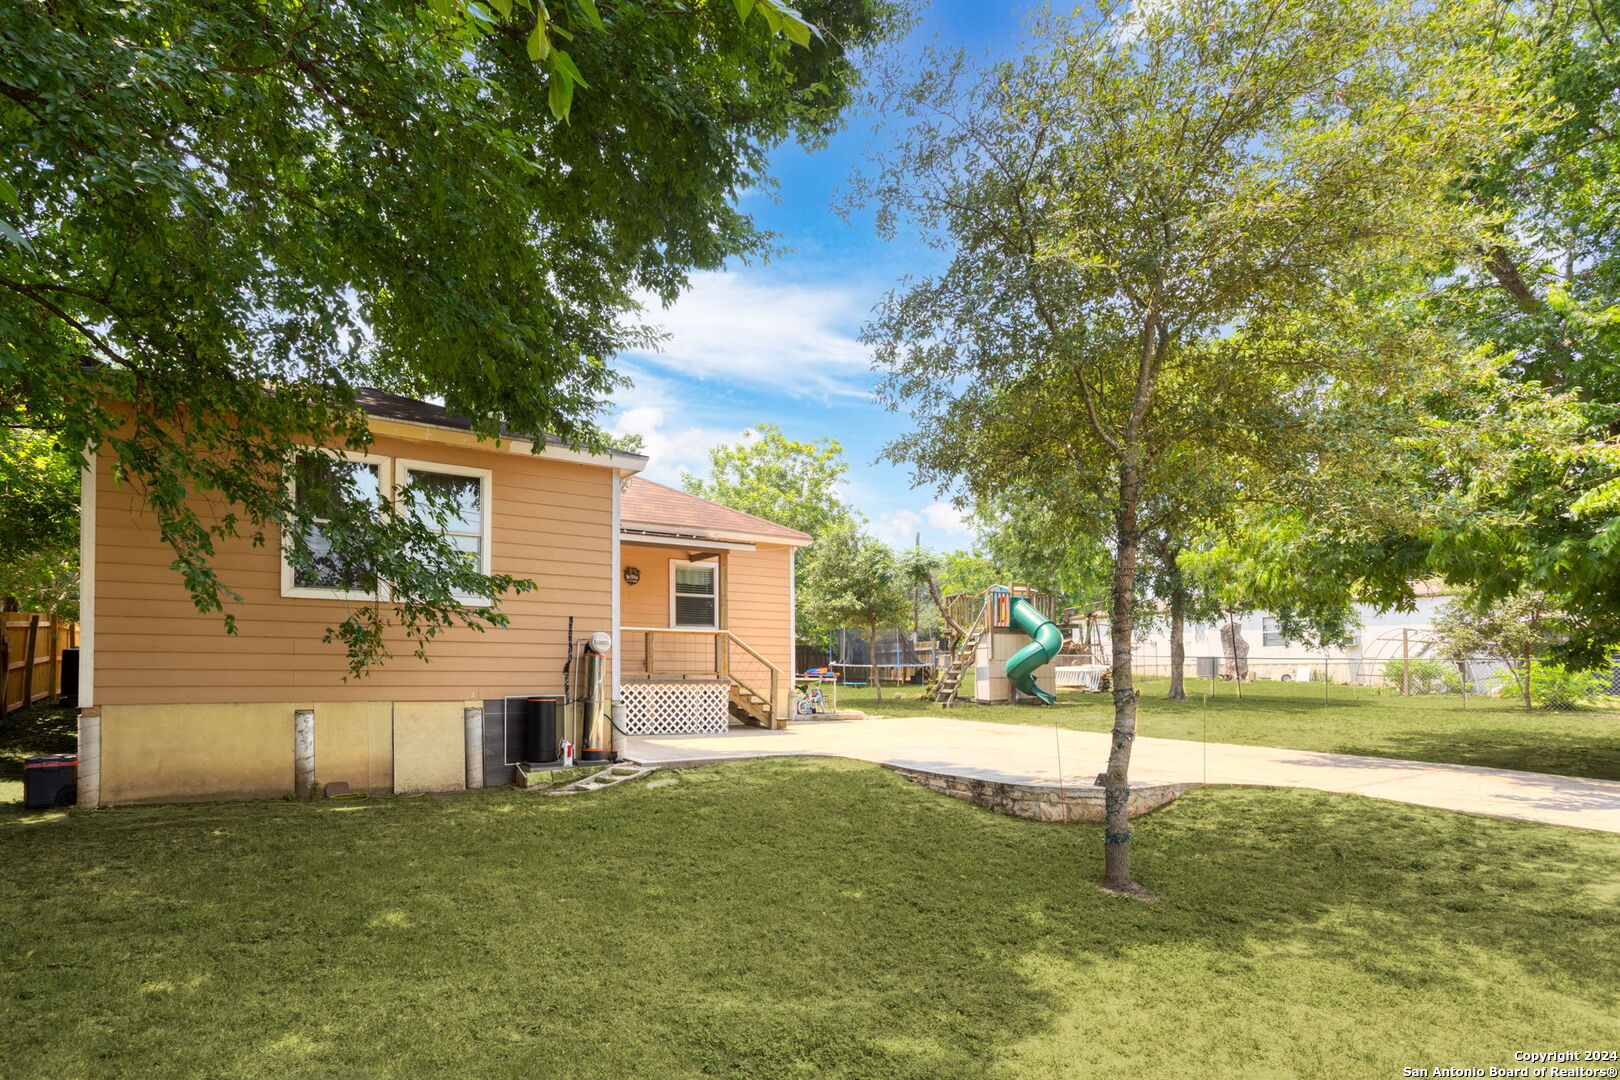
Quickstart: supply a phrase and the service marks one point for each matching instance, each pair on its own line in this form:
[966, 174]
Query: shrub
[1554, 687]
[1424, 676]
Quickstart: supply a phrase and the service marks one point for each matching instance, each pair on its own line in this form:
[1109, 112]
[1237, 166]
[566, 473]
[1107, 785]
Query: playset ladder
[949, 683]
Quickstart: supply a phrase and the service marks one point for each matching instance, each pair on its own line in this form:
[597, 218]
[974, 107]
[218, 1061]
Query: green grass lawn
[792, 919]
[1354, 720]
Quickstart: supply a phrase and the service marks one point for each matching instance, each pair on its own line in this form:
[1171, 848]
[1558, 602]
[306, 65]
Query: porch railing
[663, 652]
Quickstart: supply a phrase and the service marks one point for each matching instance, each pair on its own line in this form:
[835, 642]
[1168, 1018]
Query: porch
[705, 616]
[683, 680]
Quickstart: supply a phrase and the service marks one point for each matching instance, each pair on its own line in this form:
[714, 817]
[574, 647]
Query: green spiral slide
[1048, 642]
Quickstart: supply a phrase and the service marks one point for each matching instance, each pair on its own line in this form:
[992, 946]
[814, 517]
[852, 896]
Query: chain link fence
[1492, 683]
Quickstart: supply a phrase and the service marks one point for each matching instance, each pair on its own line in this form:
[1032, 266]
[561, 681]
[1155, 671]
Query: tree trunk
[1116, 786]
[871, 643]
[1178, 638]
[954, 627]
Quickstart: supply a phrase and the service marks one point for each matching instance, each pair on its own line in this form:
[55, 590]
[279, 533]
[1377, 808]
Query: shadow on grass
[787, 918]
[1593, 757]
[38, 729]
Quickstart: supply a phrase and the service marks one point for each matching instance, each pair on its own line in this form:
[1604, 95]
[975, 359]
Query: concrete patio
[1035, 755]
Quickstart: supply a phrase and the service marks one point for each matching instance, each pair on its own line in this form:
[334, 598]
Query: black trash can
[50, 780]
[70, 675]
[540, 734]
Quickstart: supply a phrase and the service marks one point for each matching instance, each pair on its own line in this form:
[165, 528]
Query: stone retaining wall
[1039, 802]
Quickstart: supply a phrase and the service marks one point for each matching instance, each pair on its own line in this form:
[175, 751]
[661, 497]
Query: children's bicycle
[809, 702]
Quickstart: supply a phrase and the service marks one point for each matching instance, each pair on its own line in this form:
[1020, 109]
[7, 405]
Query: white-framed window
[467, 526]
[467, 491]
[694, 594]
[366, 477]
[1271, 636]
[1352, 639]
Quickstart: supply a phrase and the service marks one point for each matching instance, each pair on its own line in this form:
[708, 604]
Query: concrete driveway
[1023, 754]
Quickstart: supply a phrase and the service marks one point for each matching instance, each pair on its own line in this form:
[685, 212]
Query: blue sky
[777, 342]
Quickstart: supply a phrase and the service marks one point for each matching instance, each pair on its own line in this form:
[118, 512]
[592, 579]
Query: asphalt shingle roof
[646, 502]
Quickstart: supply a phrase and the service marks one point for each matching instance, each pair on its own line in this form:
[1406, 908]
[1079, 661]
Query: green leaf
[539, 43]
[773, 18]
[595, 17]
[561, 96]
[7, 192]
[744, 8]
[798, 31]
[14, 236]
[563, 64]
[504, 7]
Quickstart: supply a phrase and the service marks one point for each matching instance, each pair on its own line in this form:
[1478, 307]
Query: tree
[546, 37]
[1156, 225]
[855, 580]
[217, 221]
[797, 484]
[1535, 509]
[970, 571]
[921, 568]
[1045, 539]
[1260, 564]
[1518, 629]
[39, 531]
[953, 573]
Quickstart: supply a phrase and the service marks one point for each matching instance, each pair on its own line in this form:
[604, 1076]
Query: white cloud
[945, 518]
[897, 528]
[670, 449]
[794, 339]
[940, 523]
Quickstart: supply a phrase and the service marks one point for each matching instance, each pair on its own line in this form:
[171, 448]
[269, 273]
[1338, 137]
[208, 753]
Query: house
[696, 598]
[1380, 636]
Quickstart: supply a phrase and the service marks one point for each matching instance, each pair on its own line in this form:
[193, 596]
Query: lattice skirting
[674, 708]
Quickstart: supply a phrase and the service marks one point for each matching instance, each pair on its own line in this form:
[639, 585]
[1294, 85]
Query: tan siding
[646, 603]
[552, 523]
[759, 601]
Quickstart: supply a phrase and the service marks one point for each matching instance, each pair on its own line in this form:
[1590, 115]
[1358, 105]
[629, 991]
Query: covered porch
[706, 615]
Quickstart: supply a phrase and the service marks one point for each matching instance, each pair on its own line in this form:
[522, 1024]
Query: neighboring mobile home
[1378, 636]
[697, 598]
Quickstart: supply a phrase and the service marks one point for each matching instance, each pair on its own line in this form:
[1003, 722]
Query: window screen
[320, 483]
[456, 509]
[695, 600]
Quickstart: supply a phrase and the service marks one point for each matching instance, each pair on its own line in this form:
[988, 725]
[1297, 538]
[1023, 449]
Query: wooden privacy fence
[31, 656]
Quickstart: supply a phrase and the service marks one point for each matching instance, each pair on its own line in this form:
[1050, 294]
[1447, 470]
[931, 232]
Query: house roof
[398, 407]
[647, 506]
[386, 406]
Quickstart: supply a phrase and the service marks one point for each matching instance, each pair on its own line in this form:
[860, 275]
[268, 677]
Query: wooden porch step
[749, 707]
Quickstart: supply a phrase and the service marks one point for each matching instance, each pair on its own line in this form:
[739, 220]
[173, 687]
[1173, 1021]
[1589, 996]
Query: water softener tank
[595, 737]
